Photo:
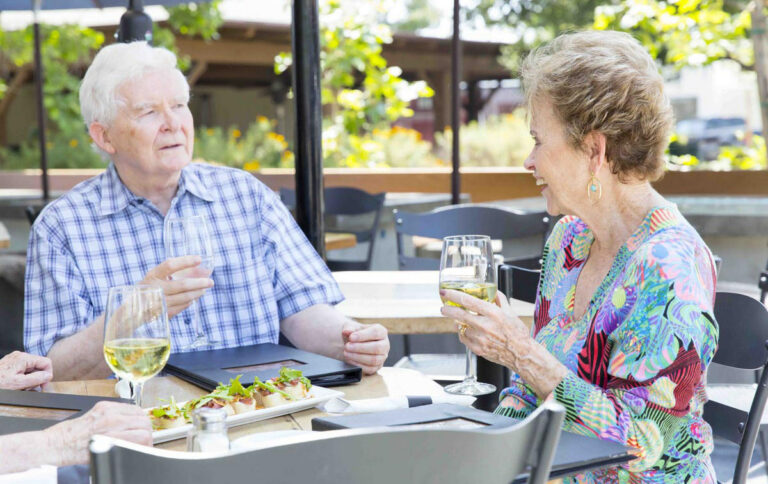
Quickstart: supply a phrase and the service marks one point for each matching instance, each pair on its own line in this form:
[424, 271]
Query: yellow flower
[236, 133]
[73, 143]
[49, 145]
[252, 165]
[262, 119]
[287, 154]
[276, 137]
[209, 131]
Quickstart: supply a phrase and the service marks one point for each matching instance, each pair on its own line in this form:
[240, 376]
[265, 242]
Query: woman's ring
[463, 330]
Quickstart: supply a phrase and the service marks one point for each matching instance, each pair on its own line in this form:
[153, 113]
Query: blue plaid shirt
[101, 235]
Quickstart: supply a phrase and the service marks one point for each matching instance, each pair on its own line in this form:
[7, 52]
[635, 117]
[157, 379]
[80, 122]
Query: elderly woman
[623, 327]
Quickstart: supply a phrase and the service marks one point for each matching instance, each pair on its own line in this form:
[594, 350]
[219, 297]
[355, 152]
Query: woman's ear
[595, 143]
[100, 136]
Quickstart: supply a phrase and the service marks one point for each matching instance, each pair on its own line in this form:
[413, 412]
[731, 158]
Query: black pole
[305, 42]
[455, 104]
[41, 115]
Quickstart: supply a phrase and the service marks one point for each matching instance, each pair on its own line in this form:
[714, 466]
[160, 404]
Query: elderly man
[109, 231]
[65, 443]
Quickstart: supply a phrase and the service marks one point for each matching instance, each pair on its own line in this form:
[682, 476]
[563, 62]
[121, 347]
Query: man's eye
[148, 112]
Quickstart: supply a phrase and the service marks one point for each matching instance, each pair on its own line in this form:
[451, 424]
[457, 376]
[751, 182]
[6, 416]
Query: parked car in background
[703, 137]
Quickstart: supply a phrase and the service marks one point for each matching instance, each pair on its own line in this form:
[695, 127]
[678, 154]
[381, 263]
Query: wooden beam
[196, 72]
[231, 51]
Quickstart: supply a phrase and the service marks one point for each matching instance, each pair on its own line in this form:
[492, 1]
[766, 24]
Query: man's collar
[115, 196]
[190, 181]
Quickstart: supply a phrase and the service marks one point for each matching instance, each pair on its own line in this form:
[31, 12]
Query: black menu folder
[68, 406]
[207, 368]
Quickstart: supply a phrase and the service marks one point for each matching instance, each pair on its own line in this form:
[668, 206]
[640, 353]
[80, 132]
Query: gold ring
[463, 330]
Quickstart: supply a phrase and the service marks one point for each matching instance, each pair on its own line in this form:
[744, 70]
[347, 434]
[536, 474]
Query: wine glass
[190, 236]
[467, 265]
[137, 340]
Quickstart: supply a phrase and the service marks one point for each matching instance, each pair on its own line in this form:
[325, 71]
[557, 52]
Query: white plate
[317, 396]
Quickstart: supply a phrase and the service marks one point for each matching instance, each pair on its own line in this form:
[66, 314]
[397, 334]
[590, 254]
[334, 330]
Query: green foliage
[420, 15]
[67, 51]
[684, 32]
[749, 156]
[499, 141]
[533, 21]
[382, 148]
[258, 147]
[359, 92]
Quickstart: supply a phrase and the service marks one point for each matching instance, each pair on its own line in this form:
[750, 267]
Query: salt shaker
[209, 431]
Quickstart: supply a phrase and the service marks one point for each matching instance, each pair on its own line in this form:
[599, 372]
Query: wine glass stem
[471, 366]
[137, 388]
[196, 320]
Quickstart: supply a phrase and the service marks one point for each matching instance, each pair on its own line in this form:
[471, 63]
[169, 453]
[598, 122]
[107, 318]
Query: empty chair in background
[348, 210]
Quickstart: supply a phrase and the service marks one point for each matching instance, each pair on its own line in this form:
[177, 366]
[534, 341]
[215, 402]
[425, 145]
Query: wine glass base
[470, 387]
[201, 342]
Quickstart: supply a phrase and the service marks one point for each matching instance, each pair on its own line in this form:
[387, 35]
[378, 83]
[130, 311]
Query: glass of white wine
[190, 236]
[466, 265]
[137, 339]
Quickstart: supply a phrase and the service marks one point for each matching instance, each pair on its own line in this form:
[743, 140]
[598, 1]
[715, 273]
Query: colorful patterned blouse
[638, 356]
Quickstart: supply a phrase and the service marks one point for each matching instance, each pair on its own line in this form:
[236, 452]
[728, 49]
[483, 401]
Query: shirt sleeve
[55, 303]
[658, 354]
[301, 278]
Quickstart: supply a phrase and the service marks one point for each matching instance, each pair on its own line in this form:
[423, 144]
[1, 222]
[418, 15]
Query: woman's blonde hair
[604, 81]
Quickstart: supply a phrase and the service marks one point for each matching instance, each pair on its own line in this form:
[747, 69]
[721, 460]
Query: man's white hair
[113, 66]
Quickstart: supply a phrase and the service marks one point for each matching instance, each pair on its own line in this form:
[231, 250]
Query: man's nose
[172, 119]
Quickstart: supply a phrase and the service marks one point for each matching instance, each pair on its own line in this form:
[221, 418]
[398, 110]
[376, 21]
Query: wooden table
[405, 302]
[335, 241]
[5, 237]
[574, 453]
[388, 382]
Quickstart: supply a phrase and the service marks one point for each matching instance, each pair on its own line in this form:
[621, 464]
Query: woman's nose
[528, 163]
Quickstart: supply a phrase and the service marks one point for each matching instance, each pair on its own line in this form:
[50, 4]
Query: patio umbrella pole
[40, 104]
[455, 105]
[305, 42]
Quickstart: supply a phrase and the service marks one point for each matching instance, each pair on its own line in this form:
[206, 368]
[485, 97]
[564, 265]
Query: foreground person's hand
[181, 293]
[493, 331]
[22, 371]
[118, 420]
[365, 345]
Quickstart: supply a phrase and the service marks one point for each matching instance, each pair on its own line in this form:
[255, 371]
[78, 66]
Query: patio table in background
[405, 302]
[334, 240]
[5, 238]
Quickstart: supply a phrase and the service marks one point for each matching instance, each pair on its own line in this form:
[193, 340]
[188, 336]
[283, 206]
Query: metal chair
[499, 224]
[347, 201]
[12, 267]
[735, 412]
[375, 455]
[762, 283]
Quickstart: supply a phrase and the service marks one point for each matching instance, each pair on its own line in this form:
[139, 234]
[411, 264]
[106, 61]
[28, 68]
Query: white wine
[137, 359]
[481, 290]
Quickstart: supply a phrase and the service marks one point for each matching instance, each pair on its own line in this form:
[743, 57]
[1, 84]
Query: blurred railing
[482, 184]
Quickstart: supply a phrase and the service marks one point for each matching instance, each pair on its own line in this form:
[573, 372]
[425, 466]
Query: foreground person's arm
[80, 356]
[66, 443]
[324, 330]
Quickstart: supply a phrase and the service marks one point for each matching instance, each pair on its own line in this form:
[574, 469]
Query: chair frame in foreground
[376, 455]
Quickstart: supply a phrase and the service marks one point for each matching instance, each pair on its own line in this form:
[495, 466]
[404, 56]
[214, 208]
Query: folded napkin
[340, 405]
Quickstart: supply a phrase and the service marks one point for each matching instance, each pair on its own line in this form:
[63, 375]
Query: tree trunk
[22, 75]
[759, 40]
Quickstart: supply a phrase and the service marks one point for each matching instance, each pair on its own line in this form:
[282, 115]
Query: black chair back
[498, 223]
[348, 201]
[743, 323]
[12, 267]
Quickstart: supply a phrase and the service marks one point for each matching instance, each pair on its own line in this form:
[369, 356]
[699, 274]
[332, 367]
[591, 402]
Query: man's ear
[595, 144]
[100, 136]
